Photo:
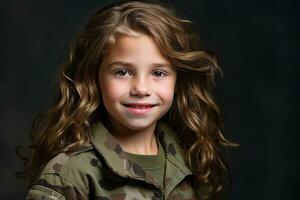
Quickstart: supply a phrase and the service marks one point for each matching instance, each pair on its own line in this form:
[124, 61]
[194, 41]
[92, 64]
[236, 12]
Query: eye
[122, 72]
[159, 73]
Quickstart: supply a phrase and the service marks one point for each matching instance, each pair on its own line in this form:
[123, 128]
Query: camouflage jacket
[101, 170]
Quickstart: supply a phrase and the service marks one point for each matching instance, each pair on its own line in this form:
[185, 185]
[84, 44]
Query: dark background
[257, 43]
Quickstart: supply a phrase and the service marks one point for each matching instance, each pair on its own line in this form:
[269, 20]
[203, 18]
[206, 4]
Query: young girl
[134, 116]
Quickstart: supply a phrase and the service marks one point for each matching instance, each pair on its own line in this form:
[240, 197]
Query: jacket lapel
[176, 169]
[118, 162]
[115, 157]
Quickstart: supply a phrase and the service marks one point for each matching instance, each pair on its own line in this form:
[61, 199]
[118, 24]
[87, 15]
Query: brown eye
[159, 74]
[122, 72]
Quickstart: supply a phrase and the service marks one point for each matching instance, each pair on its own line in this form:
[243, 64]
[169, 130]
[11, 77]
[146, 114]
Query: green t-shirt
[154, 164]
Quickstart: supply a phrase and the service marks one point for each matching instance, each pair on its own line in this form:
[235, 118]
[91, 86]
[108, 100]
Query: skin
[137, 87]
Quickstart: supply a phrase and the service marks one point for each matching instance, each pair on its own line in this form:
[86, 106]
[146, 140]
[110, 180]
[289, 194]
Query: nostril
[140, 91]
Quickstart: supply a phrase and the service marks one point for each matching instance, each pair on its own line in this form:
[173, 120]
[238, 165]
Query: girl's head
[171, 36]
[136, 52]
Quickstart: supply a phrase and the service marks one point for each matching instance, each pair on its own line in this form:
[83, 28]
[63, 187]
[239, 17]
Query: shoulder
[80, 160]
[67, 175]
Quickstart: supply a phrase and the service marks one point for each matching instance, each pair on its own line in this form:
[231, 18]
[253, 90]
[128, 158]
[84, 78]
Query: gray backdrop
[257, 43]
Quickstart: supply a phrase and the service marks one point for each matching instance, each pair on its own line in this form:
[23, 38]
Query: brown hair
[77, 105]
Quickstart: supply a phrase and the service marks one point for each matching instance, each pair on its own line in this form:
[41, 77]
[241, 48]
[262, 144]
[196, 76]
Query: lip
[139, 109]
[139, 104]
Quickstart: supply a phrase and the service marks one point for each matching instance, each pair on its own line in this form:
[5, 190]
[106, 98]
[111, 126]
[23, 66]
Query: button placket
[158, 194]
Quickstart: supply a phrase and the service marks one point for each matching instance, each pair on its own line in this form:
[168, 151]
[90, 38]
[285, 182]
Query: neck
[134, 141]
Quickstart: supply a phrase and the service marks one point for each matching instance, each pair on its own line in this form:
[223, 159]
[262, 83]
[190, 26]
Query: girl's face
[137, 83]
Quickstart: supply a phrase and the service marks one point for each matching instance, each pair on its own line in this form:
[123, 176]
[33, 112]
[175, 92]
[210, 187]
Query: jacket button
[157, 193]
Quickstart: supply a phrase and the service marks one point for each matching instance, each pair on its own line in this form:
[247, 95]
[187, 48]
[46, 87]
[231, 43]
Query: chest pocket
[113, 186]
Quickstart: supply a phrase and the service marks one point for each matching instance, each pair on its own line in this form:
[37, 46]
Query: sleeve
[54, 187]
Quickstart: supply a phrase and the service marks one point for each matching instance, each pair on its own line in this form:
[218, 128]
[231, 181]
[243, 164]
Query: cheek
[166, 91]
[111, 91]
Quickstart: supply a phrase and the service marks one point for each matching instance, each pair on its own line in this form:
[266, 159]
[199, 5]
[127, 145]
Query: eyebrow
[128, 64]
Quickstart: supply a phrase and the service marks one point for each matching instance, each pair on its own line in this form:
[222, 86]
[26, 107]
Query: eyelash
[155, 73]
[161, 72]
[118, 73]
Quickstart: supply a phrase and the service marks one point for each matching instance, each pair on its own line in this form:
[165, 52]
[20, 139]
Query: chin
[138, 125]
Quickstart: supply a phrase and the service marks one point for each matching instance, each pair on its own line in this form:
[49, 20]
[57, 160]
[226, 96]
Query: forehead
[137, 47]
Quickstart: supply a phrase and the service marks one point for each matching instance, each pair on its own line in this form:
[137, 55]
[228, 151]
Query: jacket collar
[118, 161]
[169, 140]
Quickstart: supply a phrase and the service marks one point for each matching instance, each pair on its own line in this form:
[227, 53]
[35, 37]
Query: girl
[134, 116]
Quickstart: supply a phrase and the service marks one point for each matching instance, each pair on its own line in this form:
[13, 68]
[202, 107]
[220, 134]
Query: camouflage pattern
[101, 170]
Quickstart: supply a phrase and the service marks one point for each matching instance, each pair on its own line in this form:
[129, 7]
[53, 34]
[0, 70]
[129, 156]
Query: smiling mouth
[139, 106]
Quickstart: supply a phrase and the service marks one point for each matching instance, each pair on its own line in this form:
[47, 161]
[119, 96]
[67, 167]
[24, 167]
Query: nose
[140, 87]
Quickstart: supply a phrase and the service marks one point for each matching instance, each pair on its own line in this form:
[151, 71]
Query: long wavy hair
[77, 103]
